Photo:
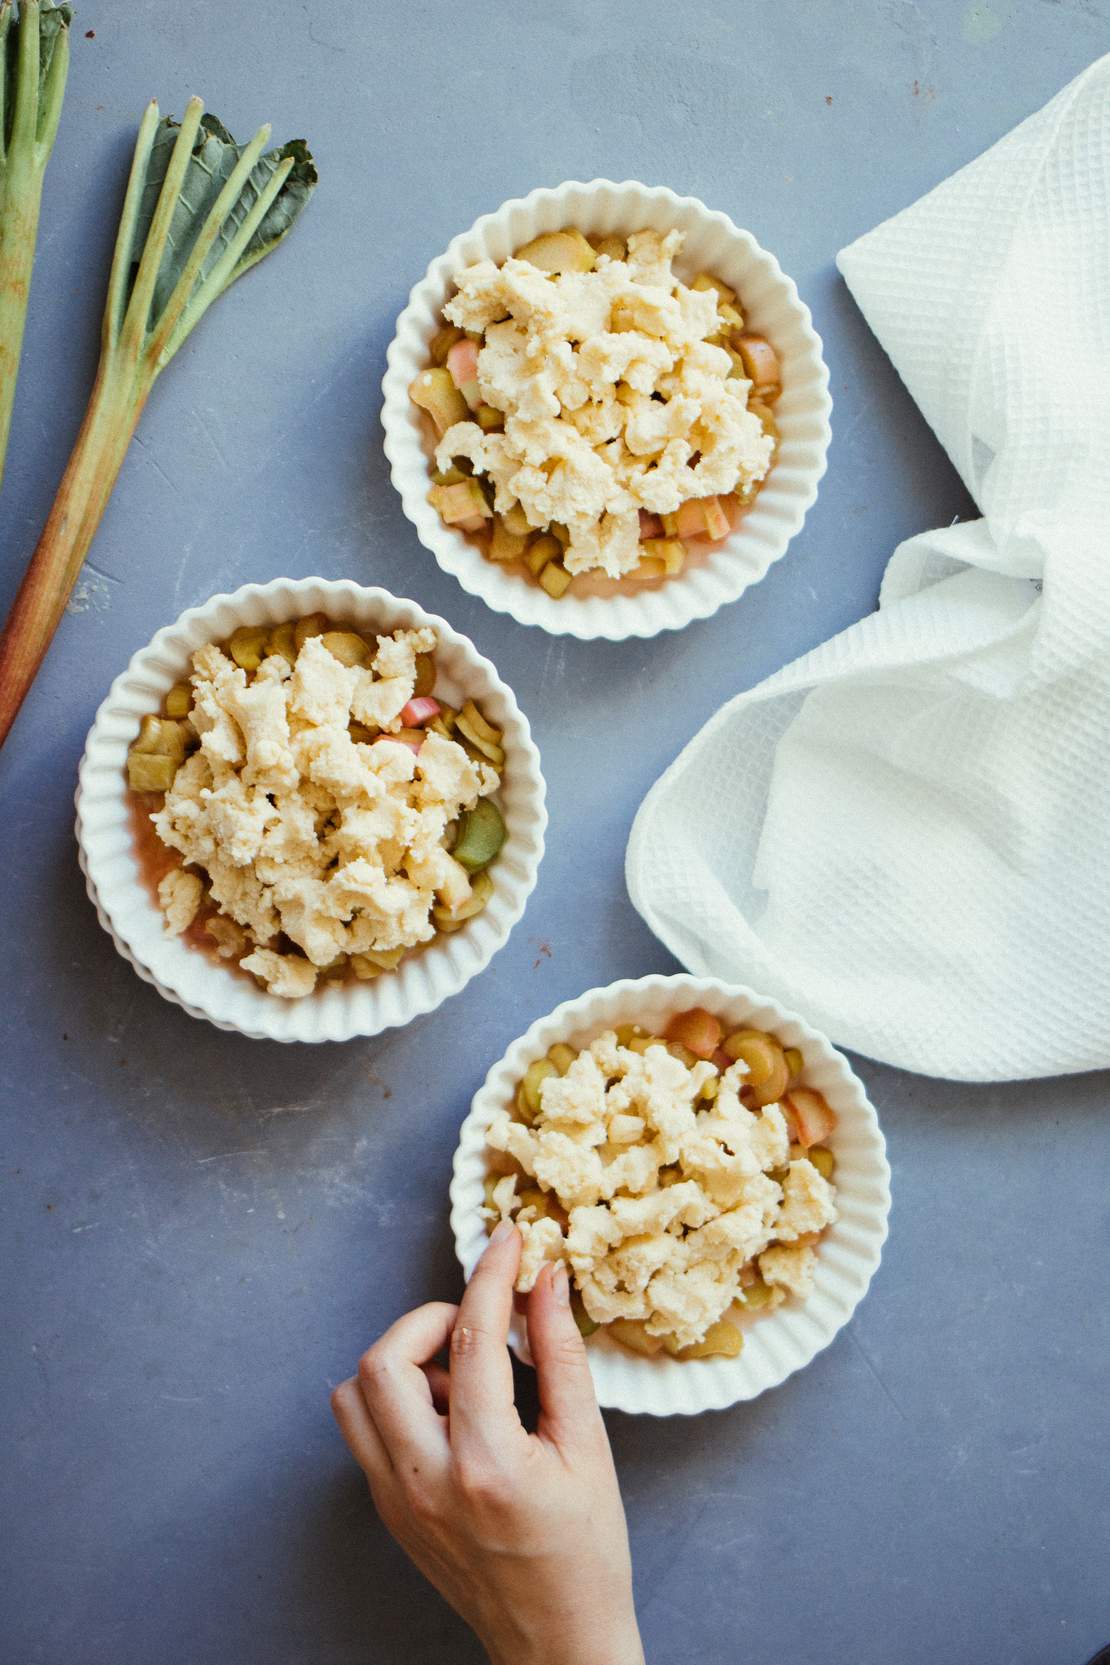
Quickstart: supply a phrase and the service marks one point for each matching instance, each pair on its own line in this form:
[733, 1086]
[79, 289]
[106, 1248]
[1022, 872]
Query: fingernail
[560, 1285]
[502, 1232]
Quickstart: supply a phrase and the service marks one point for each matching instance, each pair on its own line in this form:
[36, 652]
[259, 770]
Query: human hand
[524, 1534]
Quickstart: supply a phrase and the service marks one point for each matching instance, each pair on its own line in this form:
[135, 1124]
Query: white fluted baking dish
[770, 303]
[209, 988]
[776, 1343]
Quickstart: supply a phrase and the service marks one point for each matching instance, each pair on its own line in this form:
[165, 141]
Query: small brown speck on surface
[828, 98]
[90, 34]
[544, 954]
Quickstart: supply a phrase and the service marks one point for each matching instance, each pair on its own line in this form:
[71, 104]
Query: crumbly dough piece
[283, 974]
[669, 1198]
[180, 895]
[614, 399]
[304, 831]
[789, 1266]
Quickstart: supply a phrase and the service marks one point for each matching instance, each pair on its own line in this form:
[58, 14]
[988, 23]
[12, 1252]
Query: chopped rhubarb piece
[462, 361]
[503, 544]
[419, 711]
[702, 517]
[442, 342]
[815, 1119]
[690, 519]
[650, 526]
[648, 567]
[462, 502]
[559, 251]
[697, 1030]
[706, 280]
[716, 520]
[435, 392]
[517, 522]
[671, 551]
[412, 738]
[760, 360]
[555, 579]
[481, 835]
[540, 551]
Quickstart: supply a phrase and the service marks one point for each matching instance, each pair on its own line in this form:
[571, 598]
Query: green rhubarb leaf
[213, 161]
[230, 205]
[299, 186]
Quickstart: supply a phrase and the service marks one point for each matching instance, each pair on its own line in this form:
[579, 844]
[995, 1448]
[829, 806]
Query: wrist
[566, 1644]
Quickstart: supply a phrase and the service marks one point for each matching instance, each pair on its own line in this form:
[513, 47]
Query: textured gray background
[203, 1232]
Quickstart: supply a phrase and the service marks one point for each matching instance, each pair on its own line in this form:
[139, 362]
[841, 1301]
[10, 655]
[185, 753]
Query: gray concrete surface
[201, 1232]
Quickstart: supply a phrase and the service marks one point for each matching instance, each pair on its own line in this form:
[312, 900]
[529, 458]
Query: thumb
[568, 1404]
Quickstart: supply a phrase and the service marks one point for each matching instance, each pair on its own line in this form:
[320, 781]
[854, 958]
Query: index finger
[482, 1406]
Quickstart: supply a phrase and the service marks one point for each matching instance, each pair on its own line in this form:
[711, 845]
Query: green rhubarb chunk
[517, 522]
[555, 579]
[435, 392]
[480, 836]
[463, 501]
[178, 702]
[706, 280]
[540, 551]
[442, 342]
[559, 251]
[150, 772]
[503, 544]
[586, 1325]
[671, 551]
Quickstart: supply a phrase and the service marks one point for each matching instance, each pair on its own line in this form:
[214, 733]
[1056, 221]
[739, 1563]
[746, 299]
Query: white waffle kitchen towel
[906, 834]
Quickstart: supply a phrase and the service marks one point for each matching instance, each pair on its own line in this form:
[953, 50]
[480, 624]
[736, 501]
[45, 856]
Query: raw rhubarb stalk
[199, 211]
[34, 62]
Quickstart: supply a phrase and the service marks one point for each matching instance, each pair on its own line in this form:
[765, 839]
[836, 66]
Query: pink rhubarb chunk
[813, 1117]
[462, 362]
[419, 711]
[408, 740]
